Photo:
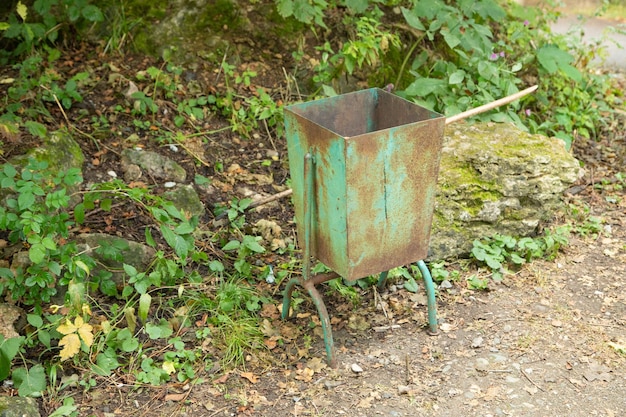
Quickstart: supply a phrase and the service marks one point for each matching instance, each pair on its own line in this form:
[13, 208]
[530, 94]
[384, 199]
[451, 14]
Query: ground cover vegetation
[204, 301]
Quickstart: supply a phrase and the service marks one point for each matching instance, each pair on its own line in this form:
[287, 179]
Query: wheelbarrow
[364, 169]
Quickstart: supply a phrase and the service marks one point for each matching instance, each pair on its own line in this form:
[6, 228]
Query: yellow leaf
[168, 366]
[85, 332]
[66, 328]
[71, 346]
[22, 10]
[86, 309]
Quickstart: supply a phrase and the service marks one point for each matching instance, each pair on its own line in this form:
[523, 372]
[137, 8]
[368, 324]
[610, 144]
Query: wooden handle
[489, 106]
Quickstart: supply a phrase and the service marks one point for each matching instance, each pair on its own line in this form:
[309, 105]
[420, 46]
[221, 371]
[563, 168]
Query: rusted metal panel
[376, 159]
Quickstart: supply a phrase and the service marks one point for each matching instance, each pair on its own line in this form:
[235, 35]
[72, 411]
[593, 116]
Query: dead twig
[530, 380]
[261, 202]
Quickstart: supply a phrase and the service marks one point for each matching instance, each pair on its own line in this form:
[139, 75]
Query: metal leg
[382, 280]
[430, 293]
[326, 327]
[287, 296]
[307, 280]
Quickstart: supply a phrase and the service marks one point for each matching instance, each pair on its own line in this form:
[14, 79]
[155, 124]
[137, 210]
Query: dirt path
[544, 343]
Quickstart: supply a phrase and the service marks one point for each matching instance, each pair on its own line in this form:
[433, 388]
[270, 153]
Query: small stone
[507, 328]
[557, 323]
[169, 184]
[112, 174]
[445, 284]
[482, 364]
[403, 389]
[356, 368]
[512, 380]
[477, 342]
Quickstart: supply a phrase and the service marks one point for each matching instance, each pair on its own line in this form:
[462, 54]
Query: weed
[34, 216]
[499, 253]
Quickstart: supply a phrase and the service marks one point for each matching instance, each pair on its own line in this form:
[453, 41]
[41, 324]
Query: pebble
[557, 323]
[482, 364]
[512, 380]
[356, 368]
[169, 184]
[477, 342]
[403, 389]
[445, 284]
[507, 328]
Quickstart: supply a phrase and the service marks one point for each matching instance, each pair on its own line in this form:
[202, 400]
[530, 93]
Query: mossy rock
[496, 179]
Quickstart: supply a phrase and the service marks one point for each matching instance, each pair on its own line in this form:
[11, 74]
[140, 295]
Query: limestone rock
[9, 314]
[156, 165]
[60, 151]
[186, 198]
[18, 407]
[133, 253]
[495, 178]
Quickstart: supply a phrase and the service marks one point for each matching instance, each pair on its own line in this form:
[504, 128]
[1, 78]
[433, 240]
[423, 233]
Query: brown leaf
[250, 377]
[175, 397]
[316, 364]
[271, 343]
[222, 379]
[305, 374]
[270, 310]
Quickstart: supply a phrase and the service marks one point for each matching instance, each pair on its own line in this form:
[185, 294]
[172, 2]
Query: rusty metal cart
[364, 171]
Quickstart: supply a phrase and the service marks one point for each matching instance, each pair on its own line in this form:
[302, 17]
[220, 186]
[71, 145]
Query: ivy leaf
[168, 366]
[410, 285]
[106, 362]
[30, 382]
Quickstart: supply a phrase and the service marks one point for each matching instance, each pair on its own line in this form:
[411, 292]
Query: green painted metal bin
[375, 165]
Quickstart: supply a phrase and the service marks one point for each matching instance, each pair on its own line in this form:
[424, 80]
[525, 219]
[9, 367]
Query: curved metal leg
[287, 296]
[326, 327]
[430, 294]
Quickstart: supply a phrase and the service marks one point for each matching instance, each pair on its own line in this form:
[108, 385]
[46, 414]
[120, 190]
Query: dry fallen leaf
[316, 364]
[305, 374]
[222, 379]
[250, 377]
[175, 397]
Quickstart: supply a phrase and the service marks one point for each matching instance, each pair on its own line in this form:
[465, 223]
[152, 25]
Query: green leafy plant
[35, 216]
[501, 252]
[28, 28]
